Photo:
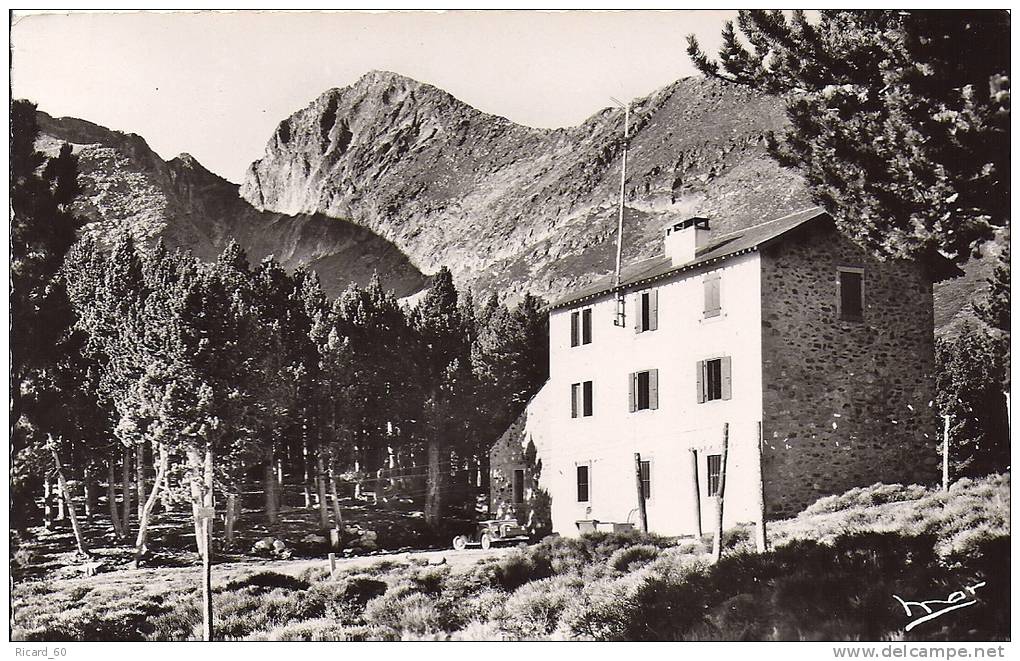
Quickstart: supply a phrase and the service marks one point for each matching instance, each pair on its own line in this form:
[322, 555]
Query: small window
[851, 294]
[714, 379]
[583, 484]
[575, 329]
[646, 479]
[713, 306]
[586, 326]
[647, 318]
[644, 390]
[581, 399]
[518, 486]
[714, 470]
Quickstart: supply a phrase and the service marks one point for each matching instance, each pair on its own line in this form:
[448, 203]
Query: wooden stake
[696, 492]
[945, 453]
[642, 512]
[761, 537]
[717, 545]
[207, 617]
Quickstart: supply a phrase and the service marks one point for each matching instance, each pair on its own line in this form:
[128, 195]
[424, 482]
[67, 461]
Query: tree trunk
[61, 500]
[66, 496]
[434, 487]
[337, 515]
[208, 498]
[320, 483]
[229, 519]
[111, 497]
[307, 481]
[272, 513]
[126, 490]
[195, 485]
[143, 515]
[48, 504]
[140, 478]
[91, 497]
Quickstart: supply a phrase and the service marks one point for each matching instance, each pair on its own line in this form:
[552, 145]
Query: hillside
[128, 187]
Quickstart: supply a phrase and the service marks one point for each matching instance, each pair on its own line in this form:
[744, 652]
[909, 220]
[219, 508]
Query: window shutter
[586, 326]
[653, 389]
[573, 400]
[638, 313]
[586, 389]
[712, 306]
[700, 370]
[575, 323]
[653, 311]
[727, 380]
[632, 385]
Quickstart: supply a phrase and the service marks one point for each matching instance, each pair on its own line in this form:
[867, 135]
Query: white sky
[217, 84]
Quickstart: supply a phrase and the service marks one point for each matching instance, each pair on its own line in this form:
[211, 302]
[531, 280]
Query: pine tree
[899, 120]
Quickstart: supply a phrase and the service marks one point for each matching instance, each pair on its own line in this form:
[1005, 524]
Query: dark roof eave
[624, 286]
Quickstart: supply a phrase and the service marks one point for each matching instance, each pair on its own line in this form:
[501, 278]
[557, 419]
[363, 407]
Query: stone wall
[845, 403]
[513, 451]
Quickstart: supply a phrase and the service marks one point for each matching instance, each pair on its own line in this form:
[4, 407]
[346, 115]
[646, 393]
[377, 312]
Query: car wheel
[459, 543]
[486, 542]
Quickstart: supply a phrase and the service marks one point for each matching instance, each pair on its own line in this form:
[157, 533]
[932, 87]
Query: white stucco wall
[610, 437]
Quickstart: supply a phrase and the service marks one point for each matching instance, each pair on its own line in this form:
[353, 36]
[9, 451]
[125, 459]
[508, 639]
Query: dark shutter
[519, 486]
[583, 484]
[700, 371]
[642, 390]
[851, 295]
[575, 324]
[653, 389]
[646, 479]
[587, 404]
[727, 378]
[586, 326]
[714, 468]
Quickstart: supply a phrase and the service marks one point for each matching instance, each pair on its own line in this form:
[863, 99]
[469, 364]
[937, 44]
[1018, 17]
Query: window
[851, 294]
[712, 301]
[714, 379]
[714, 470]
[518, 486]
[583, 484]
[644, 390]
[647, 318]
[580, 327]
[581, 399]
[646, 479]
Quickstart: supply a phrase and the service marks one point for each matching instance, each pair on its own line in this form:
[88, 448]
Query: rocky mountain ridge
[127, 187]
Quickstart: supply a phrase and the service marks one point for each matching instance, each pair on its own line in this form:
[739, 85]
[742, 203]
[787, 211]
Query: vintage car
[492, 532]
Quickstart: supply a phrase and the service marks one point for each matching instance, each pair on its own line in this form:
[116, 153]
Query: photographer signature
[955, 601]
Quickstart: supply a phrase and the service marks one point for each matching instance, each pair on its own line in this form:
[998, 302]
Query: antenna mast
[620, 298]
[623, 181]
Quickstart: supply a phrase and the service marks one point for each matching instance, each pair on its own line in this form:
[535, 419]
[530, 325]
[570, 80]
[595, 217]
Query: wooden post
[696, 493]
[642, 512]
[945, 453]
[206, 514]
[717, 544]
[761, 537]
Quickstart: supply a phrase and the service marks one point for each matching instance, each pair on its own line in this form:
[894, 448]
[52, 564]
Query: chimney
[684, 238]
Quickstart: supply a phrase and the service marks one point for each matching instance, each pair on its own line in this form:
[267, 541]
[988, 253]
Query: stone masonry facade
[845, 403]
[514, 451]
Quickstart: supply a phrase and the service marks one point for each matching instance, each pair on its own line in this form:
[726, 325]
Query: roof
[718, 248]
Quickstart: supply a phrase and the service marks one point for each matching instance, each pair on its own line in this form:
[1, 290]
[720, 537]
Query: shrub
[533, 611]
[603, 610]
[630, 558]
[268, 580]
[521, 566]
[404, 613]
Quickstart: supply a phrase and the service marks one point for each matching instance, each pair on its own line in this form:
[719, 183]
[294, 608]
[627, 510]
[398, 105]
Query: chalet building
[785, 332]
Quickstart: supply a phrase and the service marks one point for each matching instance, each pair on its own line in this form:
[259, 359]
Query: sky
[216, 84]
